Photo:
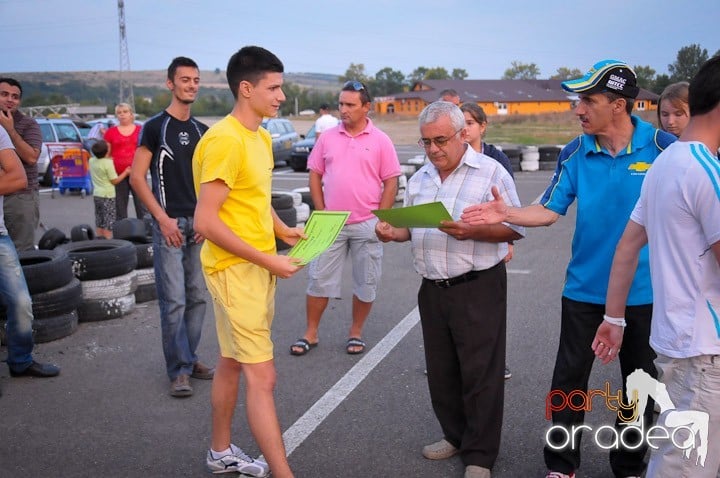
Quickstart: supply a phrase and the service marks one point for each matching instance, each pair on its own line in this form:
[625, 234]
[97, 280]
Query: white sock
[220, 454]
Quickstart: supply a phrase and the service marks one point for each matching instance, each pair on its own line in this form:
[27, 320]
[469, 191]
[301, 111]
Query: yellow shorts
[244, 304]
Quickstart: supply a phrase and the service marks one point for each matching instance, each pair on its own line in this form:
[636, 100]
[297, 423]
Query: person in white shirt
[678, 216]
[325, 121]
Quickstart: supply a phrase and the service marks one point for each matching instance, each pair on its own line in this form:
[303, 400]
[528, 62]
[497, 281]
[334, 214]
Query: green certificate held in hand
[321, 229]
[424, 215]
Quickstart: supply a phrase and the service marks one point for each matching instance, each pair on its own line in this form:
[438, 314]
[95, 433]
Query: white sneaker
[557, 474]
[236, 462]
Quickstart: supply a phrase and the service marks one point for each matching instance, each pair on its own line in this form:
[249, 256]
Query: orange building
[496, 97]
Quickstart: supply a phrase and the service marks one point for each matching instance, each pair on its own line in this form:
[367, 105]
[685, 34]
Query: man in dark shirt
[22, 208]
[167, 144]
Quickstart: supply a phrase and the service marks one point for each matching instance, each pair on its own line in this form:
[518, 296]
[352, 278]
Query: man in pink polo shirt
[353, 167]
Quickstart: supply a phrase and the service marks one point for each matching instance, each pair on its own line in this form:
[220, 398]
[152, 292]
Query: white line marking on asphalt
[306, 424]
[519, 271]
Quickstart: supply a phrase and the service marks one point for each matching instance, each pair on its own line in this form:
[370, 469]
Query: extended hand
[607, 342]
[493, 212]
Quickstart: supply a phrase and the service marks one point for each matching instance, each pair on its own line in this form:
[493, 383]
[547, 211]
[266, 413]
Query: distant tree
[661, 81]
[564, 73]
[355, 72]
[388, 81]
[437, 73]
[459, 74]
[217, 71]
[645, 76]
[521, 71]
[418, 74]
[688, 62]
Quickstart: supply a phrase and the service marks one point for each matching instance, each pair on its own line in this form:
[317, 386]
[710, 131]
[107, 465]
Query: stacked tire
[139, 232]
[284, 205]
[55, 293]
[106, 271]
[548, 157]
[530, 158]
[513, 154]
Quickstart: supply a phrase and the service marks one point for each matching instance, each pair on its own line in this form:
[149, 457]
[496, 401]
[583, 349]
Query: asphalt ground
[109, 414]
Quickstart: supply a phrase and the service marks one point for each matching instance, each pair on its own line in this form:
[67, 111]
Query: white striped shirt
[437, 255]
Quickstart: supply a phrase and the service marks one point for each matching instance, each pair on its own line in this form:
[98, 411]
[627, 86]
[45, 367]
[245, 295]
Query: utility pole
[126, 89]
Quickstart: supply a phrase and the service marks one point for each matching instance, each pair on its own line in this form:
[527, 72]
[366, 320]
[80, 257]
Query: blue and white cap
[606, 76]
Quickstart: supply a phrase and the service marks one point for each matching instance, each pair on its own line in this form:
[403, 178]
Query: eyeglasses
[439, 142]
[354, 84]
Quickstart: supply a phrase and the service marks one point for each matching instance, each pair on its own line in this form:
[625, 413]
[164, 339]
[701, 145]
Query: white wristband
[615, 320]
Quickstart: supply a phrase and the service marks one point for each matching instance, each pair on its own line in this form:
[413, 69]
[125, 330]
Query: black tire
[82, 232]
[289, 217]
[145, 293]
[96, 310]
[93, 260]
[53, 328]
[47, 178]
[307, 199]
[281, 201]
[144, 253]
[548, 153]
[51, 239]
[45, 270]
[130, 229]
[515, 164]
[57, 301]
[548, 165]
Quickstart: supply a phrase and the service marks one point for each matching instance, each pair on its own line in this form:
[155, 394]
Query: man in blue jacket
[603, 169]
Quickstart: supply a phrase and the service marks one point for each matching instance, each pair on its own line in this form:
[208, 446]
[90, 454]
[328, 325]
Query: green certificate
[321, 229]
[423, 215]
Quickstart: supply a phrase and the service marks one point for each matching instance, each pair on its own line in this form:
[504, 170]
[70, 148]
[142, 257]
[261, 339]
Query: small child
[104, 179]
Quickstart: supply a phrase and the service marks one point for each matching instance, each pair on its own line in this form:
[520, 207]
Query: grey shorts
[365, 250]
[104, 212]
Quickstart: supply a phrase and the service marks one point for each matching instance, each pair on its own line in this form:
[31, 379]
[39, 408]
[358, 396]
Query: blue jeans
[182, 297]
[15, 296]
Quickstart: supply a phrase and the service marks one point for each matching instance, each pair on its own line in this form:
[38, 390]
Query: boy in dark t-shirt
[166, 148]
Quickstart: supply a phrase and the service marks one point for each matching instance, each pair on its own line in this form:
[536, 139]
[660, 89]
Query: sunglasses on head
[354, 84]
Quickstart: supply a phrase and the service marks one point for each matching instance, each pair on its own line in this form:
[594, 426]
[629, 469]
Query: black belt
[445, 283]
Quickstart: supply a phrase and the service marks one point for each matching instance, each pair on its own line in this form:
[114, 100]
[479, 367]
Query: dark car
[283, 136]
[301, 150]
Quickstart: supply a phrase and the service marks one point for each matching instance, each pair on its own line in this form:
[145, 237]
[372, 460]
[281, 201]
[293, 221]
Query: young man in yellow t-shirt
[232, 169]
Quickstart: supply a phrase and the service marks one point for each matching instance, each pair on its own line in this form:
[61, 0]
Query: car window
[274, 128]
[288, 127]
[47, 133]
[67, 133]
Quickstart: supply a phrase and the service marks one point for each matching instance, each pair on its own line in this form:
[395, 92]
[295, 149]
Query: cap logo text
[616, 82]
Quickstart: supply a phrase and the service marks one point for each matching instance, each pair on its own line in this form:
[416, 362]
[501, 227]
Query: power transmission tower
[126, 89]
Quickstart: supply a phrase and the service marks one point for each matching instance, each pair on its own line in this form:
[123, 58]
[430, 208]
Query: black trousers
[464, 335]
[122, 198]
[573, 365]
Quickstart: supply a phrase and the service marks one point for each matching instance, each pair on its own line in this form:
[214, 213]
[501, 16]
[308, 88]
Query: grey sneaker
[439, 450]
[474, 471]
[236, 462]
[180, 387]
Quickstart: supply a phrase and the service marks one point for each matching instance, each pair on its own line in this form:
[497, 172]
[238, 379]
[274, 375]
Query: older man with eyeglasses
[462, 299]
[353, 167]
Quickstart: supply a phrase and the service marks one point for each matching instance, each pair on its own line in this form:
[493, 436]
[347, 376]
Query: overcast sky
[483, 37]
